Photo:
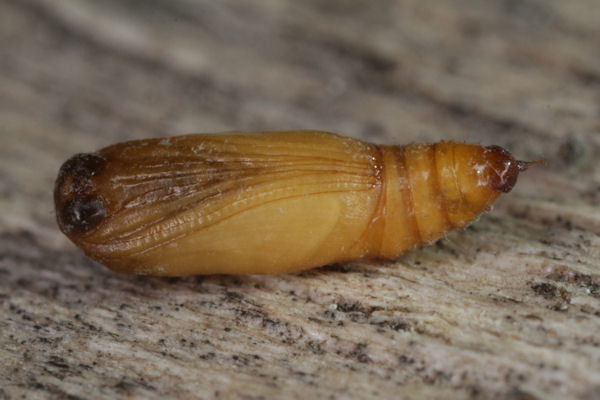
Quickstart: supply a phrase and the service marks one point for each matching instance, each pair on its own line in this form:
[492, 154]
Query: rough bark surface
[508, 308]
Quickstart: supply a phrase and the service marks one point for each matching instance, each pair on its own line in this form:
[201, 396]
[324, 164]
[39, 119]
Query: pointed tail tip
[524, 165]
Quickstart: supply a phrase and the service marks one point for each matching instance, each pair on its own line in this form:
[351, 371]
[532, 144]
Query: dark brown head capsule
[79, 209]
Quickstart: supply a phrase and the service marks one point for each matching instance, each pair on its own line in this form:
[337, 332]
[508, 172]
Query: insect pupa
[270, 202]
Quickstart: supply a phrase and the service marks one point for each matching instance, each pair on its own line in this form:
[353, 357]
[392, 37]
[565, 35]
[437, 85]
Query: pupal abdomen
[272, 202]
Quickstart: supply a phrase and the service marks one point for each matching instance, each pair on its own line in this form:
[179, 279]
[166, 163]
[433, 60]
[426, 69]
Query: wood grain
[508, 308]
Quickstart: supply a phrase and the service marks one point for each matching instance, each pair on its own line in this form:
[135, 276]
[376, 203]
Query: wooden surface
[507, 309]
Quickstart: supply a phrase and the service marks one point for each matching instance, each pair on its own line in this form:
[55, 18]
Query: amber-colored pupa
[271, 202]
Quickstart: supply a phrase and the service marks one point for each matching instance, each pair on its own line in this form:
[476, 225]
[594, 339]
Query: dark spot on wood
[349, 307]
[546, 290]
[404, 359]
[396, 325]
[233, 296]
[571, 151]
[58, 362]
[585, 281]
[208, 356]
[315, 347]
[360, 353]
[587, 77]
[517, 393]
[533, 317]
[504, 299]
[552, 292]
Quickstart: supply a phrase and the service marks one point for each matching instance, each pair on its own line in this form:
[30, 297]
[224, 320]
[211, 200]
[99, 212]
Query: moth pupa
[270, 202]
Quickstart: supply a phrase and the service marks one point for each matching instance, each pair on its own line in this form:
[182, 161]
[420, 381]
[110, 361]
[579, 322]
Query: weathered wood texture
[509, 308]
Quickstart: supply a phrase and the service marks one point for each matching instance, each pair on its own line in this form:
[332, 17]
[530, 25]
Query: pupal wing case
[270, 202]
